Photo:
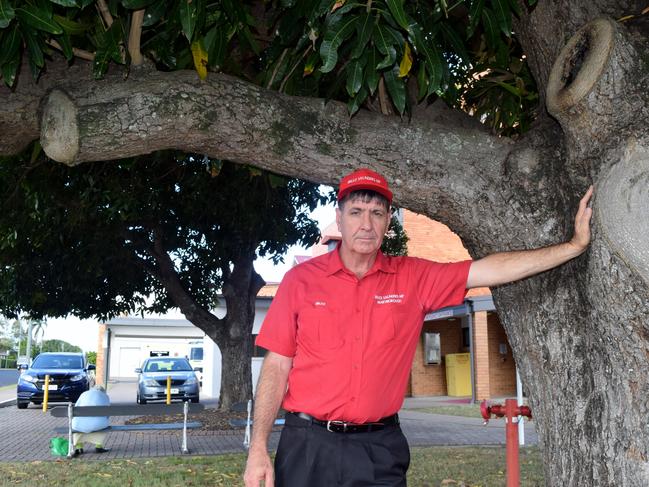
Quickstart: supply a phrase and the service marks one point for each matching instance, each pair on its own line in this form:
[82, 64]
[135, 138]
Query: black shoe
[77, 452]
[100, 449]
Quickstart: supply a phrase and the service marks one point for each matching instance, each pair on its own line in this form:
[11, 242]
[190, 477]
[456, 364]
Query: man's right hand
[258, 468]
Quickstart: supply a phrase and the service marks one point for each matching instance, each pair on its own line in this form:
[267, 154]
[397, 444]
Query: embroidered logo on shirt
[389, 298]
[320, 303]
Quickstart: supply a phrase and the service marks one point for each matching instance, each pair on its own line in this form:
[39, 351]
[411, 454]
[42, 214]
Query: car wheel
[22, 405]
[139, 400]
[195, 400]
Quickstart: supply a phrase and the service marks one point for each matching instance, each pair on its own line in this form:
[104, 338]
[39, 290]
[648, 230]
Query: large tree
[580, 333]
[146, 235]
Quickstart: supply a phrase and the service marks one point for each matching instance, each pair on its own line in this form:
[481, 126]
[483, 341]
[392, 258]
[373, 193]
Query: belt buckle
[336, 423]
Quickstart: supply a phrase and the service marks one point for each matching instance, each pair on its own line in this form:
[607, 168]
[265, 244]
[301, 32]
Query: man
[90, 429]
[341, 334]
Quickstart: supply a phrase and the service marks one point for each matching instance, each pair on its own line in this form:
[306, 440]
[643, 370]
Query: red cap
[364, 179]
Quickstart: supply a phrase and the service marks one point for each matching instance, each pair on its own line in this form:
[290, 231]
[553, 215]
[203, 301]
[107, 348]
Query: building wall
[502, 369]
[430, 380]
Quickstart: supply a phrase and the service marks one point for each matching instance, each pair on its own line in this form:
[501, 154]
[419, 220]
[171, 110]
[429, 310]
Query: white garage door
[129, 360]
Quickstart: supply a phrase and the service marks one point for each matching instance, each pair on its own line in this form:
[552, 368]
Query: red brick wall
[502, 369]
[430, 380]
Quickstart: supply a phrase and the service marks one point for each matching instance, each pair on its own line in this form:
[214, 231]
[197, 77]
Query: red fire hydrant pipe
[511, 447]
[510, 411]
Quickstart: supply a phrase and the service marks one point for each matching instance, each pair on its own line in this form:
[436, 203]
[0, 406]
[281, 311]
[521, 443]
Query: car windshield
[168, 365]
[57, 362]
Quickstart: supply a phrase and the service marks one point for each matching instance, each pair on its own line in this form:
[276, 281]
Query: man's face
[362, 225]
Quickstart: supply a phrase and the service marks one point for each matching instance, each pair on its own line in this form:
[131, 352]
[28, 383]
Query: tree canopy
[364, 53]
[95, 241]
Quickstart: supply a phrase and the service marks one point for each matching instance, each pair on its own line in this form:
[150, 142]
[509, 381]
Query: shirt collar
[381, 263]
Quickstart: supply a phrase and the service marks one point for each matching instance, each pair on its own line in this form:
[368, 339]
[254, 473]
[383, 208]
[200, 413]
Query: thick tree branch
[169, 279]
[230, 119]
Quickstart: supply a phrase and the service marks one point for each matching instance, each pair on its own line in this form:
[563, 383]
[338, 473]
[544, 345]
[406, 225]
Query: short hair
[365, 195]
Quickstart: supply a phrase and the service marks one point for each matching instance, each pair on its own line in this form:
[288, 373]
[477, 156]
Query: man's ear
[338, 216]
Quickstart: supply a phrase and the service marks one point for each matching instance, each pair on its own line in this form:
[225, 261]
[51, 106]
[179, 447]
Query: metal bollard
[46, 392]
[168, 389]
[511, 411]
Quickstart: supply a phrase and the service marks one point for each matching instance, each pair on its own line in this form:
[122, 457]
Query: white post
[246, 436]
[70, 445]
[521, 419]
[184, 448]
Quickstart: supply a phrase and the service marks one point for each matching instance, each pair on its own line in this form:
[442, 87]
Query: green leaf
[136, 4]
[490, 28]
[33, 48]
[364, 30]
[396, 87]
[188, 14]
[9, 70]
[354, 77]
[503, 16]
[7, 13]
[475, 13]
[398, 13]
[333, 38]
[372, 76]
[455, 41]
[70, 26]
[10, 45]
[513, 4]
[422, 82]
[384, 43]
[355, 103]
[66, 3]
[154, 13]
[38, 19]
[66, 45]
[432, 57]
[216, 42]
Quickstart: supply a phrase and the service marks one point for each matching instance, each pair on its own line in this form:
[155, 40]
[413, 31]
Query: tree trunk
[240, 293]
[235, 365]
[233, 332]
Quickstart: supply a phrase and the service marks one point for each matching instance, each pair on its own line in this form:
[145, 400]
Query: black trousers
[310, 456]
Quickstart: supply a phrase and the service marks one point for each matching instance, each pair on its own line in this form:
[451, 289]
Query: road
[8, 377]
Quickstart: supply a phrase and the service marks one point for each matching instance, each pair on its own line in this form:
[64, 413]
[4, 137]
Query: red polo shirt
[353, 340]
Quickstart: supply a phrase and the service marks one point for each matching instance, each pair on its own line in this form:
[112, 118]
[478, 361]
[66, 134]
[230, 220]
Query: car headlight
[77, 378]
[151, 383]
[28, 378]
[190, 381]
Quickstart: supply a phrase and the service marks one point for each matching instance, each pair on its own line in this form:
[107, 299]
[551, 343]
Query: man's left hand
[581, 237]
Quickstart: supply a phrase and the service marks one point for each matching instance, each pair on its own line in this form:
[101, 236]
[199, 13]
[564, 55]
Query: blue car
[70, 375]
[152, 380]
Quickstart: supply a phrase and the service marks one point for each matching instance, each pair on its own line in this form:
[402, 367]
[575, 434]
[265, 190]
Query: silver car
[152, 380]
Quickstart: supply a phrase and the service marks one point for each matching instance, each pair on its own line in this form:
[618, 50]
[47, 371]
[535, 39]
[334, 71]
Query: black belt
[346, 427]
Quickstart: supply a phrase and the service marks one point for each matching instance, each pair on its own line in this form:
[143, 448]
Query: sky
[84, 333]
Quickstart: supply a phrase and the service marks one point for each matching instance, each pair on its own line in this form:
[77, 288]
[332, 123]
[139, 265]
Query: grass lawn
[469, 410]
[438, 466]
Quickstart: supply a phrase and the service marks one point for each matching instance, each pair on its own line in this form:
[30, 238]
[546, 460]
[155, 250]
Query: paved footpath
[31, 430]
[26, 434]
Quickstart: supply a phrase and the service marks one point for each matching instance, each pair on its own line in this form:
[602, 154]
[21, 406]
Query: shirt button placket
[357, 354]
